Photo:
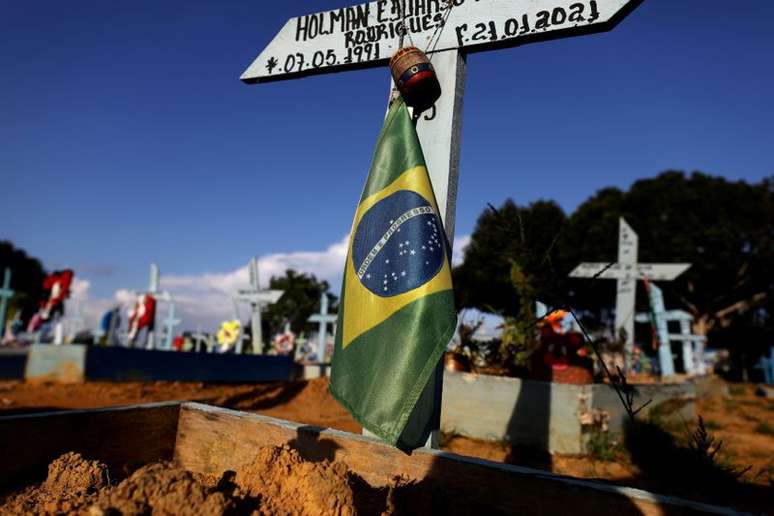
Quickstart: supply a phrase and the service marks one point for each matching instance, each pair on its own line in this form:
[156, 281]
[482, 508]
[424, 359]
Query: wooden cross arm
[366, 35]
[651, 271]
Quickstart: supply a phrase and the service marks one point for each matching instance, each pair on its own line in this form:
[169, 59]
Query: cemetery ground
[653, 461]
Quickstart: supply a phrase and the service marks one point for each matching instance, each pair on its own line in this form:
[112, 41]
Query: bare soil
[277, 482]
[743, 421]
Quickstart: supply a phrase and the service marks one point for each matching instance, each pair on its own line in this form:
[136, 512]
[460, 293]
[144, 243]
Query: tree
[526, 236]
[724, 228]
[26, 280]
[300, 300]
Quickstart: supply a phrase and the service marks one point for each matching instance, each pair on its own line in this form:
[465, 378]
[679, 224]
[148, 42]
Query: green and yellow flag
[397, 313]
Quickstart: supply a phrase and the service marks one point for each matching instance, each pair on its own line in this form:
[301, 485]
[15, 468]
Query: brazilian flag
[396, 313]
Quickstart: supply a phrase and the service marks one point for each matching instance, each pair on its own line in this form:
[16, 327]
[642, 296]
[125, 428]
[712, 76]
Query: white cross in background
[258, 299]
[627, 271]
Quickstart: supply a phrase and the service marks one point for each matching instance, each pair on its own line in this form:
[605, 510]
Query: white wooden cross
[692, 344]
[169, 324]
[154, 289]
[5, 295]
[627, 271]
[367, 35]
[324, 319]
[199, 338]
[74, 319]
[258, 299]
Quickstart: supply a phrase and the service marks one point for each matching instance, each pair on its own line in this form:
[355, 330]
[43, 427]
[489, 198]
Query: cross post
[5, 295]
[324, 319]
[169, 324]
[154, 288]
[257, 299]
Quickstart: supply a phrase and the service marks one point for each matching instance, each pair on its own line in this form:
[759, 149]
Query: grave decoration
[626, 272]
[563, 356]
[157, 295]
[323, 354]
[415, 78]
[306, 349]
[397, 288]
[229, 334]
[364, 36]
[49, 317]
[142, 317]
[5, 296]
[284, 343]
[257, 298]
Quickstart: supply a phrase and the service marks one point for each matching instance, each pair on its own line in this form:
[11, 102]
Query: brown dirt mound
[72, 484]
[162, 488]
[286, 484]
[277, 482]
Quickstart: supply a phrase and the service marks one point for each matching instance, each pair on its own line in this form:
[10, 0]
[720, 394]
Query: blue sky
[126, 136]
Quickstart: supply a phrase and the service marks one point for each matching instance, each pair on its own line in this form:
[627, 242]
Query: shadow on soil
[261, 397]
[691, 470]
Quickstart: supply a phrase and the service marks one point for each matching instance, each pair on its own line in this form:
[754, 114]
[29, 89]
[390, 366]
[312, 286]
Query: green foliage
[511, 234]
[300, 300]
[706, 450]
[519, 336]
[26, 280]
[712, 425]
[725, 229]
[696, 463]
[602, 446]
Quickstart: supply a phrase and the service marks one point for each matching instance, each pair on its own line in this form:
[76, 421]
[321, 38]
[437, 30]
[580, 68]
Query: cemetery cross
[366, 35]
[5, 295]
[323, 318]
[154, 289]
[169, 324]
[258, 299]
[627, 271]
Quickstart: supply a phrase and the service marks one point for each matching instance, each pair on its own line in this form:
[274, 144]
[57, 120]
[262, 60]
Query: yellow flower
[229, 332]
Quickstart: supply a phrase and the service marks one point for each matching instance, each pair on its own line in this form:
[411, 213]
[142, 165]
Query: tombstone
[5, 296]
[626, 272]
[367, 35]
[258, 299]
[323, 319]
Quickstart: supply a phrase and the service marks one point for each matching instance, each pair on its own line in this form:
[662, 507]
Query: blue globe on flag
[398, 244]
